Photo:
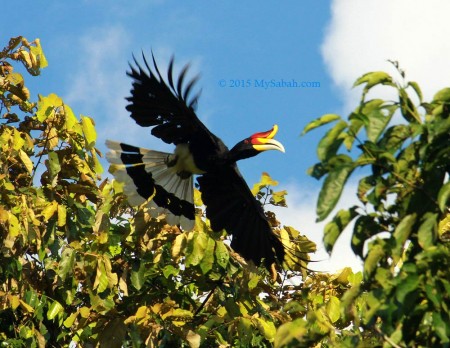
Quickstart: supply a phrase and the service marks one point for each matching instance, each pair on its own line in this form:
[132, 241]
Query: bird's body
[165, 180]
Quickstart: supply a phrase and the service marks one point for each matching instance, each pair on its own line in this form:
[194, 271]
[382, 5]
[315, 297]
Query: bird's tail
[148, 178]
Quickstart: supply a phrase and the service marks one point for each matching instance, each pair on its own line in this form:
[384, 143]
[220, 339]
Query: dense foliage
[403, 215]
[80, 267]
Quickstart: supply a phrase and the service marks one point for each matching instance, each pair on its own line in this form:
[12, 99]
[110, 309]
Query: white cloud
[301, 215]
[99, 85]
[363, 35]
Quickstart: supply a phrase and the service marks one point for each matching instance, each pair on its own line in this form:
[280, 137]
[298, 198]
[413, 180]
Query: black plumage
[165, 180]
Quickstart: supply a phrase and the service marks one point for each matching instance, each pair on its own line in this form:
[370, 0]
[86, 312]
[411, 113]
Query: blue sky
[88, 45]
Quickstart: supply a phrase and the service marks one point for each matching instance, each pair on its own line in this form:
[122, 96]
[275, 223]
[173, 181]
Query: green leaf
[441, 328]
[444, 197]
[406, 286]
[417, 89]
[66, 264]
[290, 334]
[334, 228]
[196, 248]
[378, 119]
[374, 255]
[408, 109]
[254, 280]
[442, 96]
[222, 254]
[372, 79]
[402, 232]
[334, 184]
[208, 259]
[330, 143]
[334, 309]
[53, 164]
[54, 310]
[427, 234]
[138, 275]
[267, 328]
[364, 228]
[325, 119]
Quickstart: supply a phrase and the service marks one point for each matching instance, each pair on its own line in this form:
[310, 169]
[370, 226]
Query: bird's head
[257, 143]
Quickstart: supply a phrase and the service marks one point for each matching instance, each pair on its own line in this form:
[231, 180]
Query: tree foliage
[401, 222]
[80, 267]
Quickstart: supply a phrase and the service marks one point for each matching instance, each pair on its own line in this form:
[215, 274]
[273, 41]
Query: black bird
[165, 180]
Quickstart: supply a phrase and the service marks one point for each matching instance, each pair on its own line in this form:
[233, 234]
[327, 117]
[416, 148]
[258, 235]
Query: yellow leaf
[70, 118]
[193, 339]
[26, 161]
[62, 214]
[18, 141]
[49, 210]
[14, 301]
[197, 198]
[70, 320]
[47, 105]
[266, 180]
[26, 306]
[3, 215]
[89, 131]
[85, 312]
[141, 312]
[14, 228]
[178, 245]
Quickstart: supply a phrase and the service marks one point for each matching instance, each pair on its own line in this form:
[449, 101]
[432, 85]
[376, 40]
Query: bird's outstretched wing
[230, 205]
[167, 107]
[148, 179]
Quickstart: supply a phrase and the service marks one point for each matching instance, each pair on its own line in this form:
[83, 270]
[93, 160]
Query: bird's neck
[237, 154]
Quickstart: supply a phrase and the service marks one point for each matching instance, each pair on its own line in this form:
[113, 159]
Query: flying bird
[165, 180]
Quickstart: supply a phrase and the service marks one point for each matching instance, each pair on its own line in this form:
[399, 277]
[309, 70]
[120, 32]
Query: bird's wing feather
[147, 178]
[230, 205]
[167, 107]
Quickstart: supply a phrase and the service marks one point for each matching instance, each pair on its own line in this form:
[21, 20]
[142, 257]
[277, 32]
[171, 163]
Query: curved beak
[264, 141]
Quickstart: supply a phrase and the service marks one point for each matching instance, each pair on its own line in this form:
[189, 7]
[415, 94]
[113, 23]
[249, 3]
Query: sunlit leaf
[47, 105]
[222, 254]
[334, 309]
[14, 226]
[50, 210]
[374, 78]
[327, 118]
[207, 261]
[442, 96]
[26, 161]
[55, 309]
[89, 131]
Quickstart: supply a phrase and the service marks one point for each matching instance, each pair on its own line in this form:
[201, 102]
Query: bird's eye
[246, 141]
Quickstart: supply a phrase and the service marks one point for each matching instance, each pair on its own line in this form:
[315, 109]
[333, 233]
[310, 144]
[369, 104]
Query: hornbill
[165, 180]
